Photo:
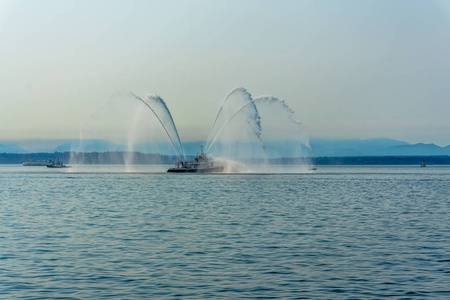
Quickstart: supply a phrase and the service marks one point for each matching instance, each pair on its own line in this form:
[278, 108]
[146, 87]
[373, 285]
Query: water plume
[227, 98]
[273, 100]
[283, 131]
[251, 116]
[132, 137]
[258, 132]
[232, 166]
[235, 104]
[159, 108]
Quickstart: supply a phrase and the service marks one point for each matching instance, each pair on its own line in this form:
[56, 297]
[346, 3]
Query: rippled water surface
[339, 232]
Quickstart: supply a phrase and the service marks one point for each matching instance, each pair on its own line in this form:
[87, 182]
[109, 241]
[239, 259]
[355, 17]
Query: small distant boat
[57, 164]
[36, 163]
[312, 169]
[200, 164]
[423, 165]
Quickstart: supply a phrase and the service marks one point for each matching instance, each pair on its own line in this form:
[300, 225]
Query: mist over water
[237, 131]
[132, 137]
[243, 129]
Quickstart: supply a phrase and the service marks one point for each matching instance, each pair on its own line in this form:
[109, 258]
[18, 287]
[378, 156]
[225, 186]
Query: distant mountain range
[11, 149]
[317, 148]
[373, 147]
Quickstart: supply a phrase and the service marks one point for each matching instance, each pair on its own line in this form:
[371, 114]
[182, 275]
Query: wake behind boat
[200, 164]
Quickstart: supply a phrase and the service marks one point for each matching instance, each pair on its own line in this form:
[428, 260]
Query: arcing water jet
[257, 129]
[156, 104]
[237, 101]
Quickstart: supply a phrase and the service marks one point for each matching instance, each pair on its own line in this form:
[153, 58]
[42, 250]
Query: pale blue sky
[350, 69]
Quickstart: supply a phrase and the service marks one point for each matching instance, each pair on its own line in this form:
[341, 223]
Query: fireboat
[200, 164]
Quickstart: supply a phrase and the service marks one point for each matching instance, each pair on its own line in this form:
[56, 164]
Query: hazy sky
[350, 69]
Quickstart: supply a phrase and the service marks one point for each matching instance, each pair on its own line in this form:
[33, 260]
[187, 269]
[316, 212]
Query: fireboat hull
[217, 169]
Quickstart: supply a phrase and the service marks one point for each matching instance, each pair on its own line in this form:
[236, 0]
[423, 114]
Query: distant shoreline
[158, 159]
[368, 160]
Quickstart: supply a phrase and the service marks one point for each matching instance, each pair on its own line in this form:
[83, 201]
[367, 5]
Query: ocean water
[98, 232]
